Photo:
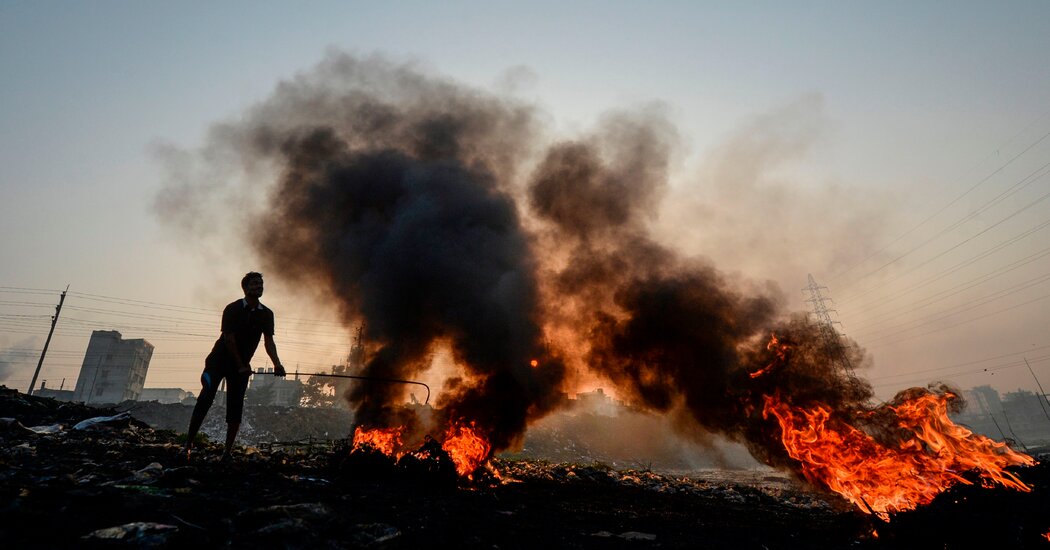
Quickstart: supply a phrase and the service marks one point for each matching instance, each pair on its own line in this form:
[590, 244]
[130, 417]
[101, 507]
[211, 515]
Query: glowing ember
[384, 440]
[534, 363]
[881, 478]
[1046, 535]
[774, 345]
[467, 447]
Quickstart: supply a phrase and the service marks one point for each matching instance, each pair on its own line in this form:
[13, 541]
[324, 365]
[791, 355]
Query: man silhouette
[243, 322]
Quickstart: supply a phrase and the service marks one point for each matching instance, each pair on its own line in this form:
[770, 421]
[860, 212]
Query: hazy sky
[895, 150]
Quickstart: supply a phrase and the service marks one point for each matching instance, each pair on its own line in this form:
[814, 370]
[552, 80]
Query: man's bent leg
[231, 435]
[208, 388]
[236, 386]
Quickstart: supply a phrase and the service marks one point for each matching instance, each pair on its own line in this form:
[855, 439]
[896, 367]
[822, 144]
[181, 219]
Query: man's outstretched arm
[271, 350]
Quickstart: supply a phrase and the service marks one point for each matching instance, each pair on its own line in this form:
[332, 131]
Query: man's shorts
[236, 385]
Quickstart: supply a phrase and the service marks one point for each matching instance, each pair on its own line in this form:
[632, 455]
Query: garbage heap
[75, 476]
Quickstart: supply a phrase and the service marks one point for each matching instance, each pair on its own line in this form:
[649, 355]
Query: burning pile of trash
[448, 221]
[445, 220]
[71, 475]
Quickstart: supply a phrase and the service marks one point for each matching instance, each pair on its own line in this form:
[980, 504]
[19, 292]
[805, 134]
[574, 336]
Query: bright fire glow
[878, 478]
[534, 363]
[467, 447]
[384, 440]
[464, 444]
[774, 345]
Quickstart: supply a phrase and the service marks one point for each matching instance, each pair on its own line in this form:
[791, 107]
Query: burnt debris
[121, 484]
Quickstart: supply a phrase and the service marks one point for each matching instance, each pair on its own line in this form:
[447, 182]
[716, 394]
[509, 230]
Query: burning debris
[406, 199]
[462, 447]
[122, 484]
[926, 456]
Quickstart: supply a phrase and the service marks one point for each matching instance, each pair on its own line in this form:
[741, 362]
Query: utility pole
[355, 360]
[1042, 394]
[832, 338]
[43, 352]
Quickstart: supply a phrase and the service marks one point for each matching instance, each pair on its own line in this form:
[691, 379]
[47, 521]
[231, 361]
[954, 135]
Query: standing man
[243, 322]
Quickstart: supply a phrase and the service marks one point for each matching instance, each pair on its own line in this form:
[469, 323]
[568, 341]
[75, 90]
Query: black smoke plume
[433, 213]
[670, 332]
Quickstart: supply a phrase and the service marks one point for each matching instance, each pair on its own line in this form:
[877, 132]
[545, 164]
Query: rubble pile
[74, 476]
[261, 423]
[629, 439]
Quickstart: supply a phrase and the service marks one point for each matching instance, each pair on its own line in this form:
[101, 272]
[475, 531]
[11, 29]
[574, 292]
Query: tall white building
[114, 369]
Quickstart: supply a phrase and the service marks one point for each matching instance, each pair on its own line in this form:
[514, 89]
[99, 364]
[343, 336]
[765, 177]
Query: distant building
[58, 395]
[165, 395]
[267, 389]
[596, 402]
[114, 369]
[1020, 415]
[1028, 414]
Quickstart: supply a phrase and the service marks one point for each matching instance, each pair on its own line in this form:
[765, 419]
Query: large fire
[881, 477]
[463, 442]
[777, 347]
[467, 447]
[384, 440]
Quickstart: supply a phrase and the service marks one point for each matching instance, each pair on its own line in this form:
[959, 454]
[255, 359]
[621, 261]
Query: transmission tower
[355, 360]
[822, 313]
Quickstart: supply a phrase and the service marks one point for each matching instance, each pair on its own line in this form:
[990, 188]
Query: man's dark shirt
[247, 325]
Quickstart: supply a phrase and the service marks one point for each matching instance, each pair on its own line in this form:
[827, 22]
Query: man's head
[252, 284]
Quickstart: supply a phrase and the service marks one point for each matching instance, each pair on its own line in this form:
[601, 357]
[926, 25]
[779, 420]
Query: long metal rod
[373, 378]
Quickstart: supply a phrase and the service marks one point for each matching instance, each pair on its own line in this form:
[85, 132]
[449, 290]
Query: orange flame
[774, 345]
[534, 363]
[467, 447]
[384, 440]
[1046, 535]
[880, 478]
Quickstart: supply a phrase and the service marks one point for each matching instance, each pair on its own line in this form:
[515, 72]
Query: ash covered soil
[120, 483]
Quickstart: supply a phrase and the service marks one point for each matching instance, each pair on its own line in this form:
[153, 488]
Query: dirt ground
[120, 483]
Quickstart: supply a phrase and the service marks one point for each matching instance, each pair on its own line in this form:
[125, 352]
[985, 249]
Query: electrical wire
[952, 202]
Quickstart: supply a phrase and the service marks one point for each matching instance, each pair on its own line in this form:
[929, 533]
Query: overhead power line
[943, 208]
[968, 239]
[931, 299]
[943, 328]
[969, 305]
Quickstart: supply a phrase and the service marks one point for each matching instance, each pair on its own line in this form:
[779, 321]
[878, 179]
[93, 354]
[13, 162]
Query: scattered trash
[266, 519]
[373, 534]
[12, 426]
[138, 534]
[312, 510]
[148, 475]
[289, 526]
[52, 429]
[117, 420]
[628, 535]
[61, 485]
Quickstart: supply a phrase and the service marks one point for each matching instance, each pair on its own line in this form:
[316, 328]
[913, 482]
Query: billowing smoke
[436, 214]
[17, 356]
[427, 250]
[672, 332]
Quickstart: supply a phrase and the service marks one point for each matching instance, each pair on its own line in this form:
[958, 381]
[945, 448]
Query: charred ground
[120, 483]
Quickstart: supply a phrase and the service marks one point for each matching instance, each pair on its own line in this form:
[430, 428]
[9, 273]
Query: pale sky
[814, 133]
